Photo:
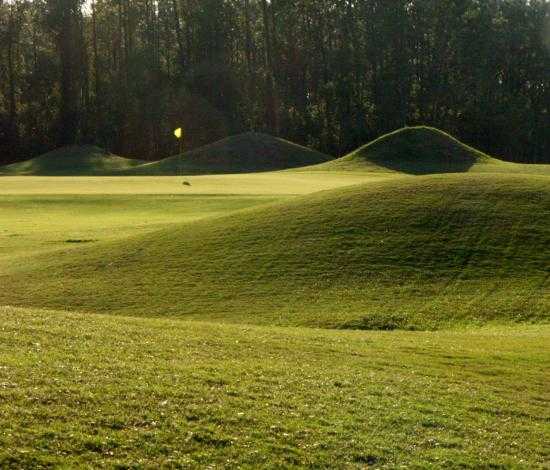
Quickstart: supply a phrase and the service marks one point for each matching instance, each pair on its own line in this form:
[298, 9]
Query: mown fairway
[408, 252]
[116, 392]
[142, 317]
[283, 183]
[274, 234]
[43, 214]
[45, 223]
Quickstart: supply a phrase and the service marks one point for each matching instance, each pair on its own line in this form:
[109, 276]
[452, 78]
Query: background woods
[327, 73]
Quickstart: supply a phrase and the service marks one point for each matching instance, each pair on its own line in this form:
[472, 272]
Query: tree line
[331, 74]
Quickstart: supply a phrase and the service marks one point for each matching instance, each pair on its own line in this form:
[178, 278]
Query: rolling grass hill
[71, 161]
[244, 153]
[99, 391]
[424, 150]
[410, 253]
[143, 387]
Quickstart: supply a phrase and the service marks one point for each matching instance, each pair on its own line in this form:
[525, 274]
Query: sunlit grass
[39, 223]
[103, 391]
[152, 390]
[276, 183]
[407, 253]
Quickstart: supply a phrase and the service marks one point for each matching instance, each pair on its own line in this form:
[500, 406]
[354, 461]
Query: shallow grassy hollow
[107, 391]
[38, 223]
[408, 253]
[44, 214]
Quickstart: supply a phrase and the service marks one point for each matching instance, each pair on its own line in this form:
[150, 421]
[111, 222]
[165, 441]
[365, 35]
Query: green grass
[48, 222]
[102, 391]
[266, 184]
[44, 214]
[423, 150]
[408, 253]
[464, 255]
[74, 160]
[244, 153]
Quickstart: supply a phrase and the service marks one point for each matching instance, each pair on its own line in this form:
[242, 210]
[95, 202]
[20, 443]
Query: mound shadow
[416, 151]
[245, 153]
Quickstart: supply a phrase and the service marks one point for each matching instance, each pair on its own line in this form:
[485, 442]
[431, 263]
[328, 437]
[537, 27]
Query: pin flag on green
[178, 133]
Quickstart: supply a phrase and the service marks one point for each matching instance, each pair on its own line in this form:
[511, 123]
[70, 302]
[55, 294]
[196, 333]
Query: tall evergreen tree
[328, 73]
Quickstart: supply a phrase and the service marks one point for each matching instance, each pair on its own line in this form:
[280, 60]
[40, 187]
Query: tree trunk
[271, 102]
[67, 40]
[12, 106]
[97, 73]
[179, 34]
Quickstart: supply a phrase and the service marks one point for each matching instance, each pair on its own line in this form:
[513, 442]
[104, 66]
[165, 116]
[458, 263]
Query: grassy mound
[424, 150]
[103, 392]
[411, 253]
[245, 153]
[86, 160]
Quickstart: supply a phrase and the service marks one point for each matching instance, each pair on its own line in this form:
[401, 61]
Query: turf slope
[83, 160]
[424, 150]
[47, 222]
[419, 253]
[115, 392]
[244, 153]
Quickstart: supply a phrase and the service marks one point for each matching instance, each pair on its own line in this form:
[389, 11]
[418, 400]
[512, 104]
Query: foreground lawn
[112, 391]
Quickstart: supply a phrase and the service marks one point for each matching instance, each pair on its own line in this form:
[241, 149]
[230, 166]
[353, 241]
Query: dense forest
[331, 74]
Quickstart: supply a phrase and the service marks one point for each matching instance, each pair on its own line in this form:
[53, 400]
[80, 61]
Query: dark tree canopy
[332, 74]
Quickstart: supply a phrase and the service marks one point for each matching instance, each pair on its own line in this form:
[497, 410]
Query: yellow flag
[178, 133]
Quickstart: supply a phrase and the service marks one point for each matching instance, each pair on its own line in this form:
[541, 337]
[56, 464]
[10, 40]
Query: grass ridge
[410, 253]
